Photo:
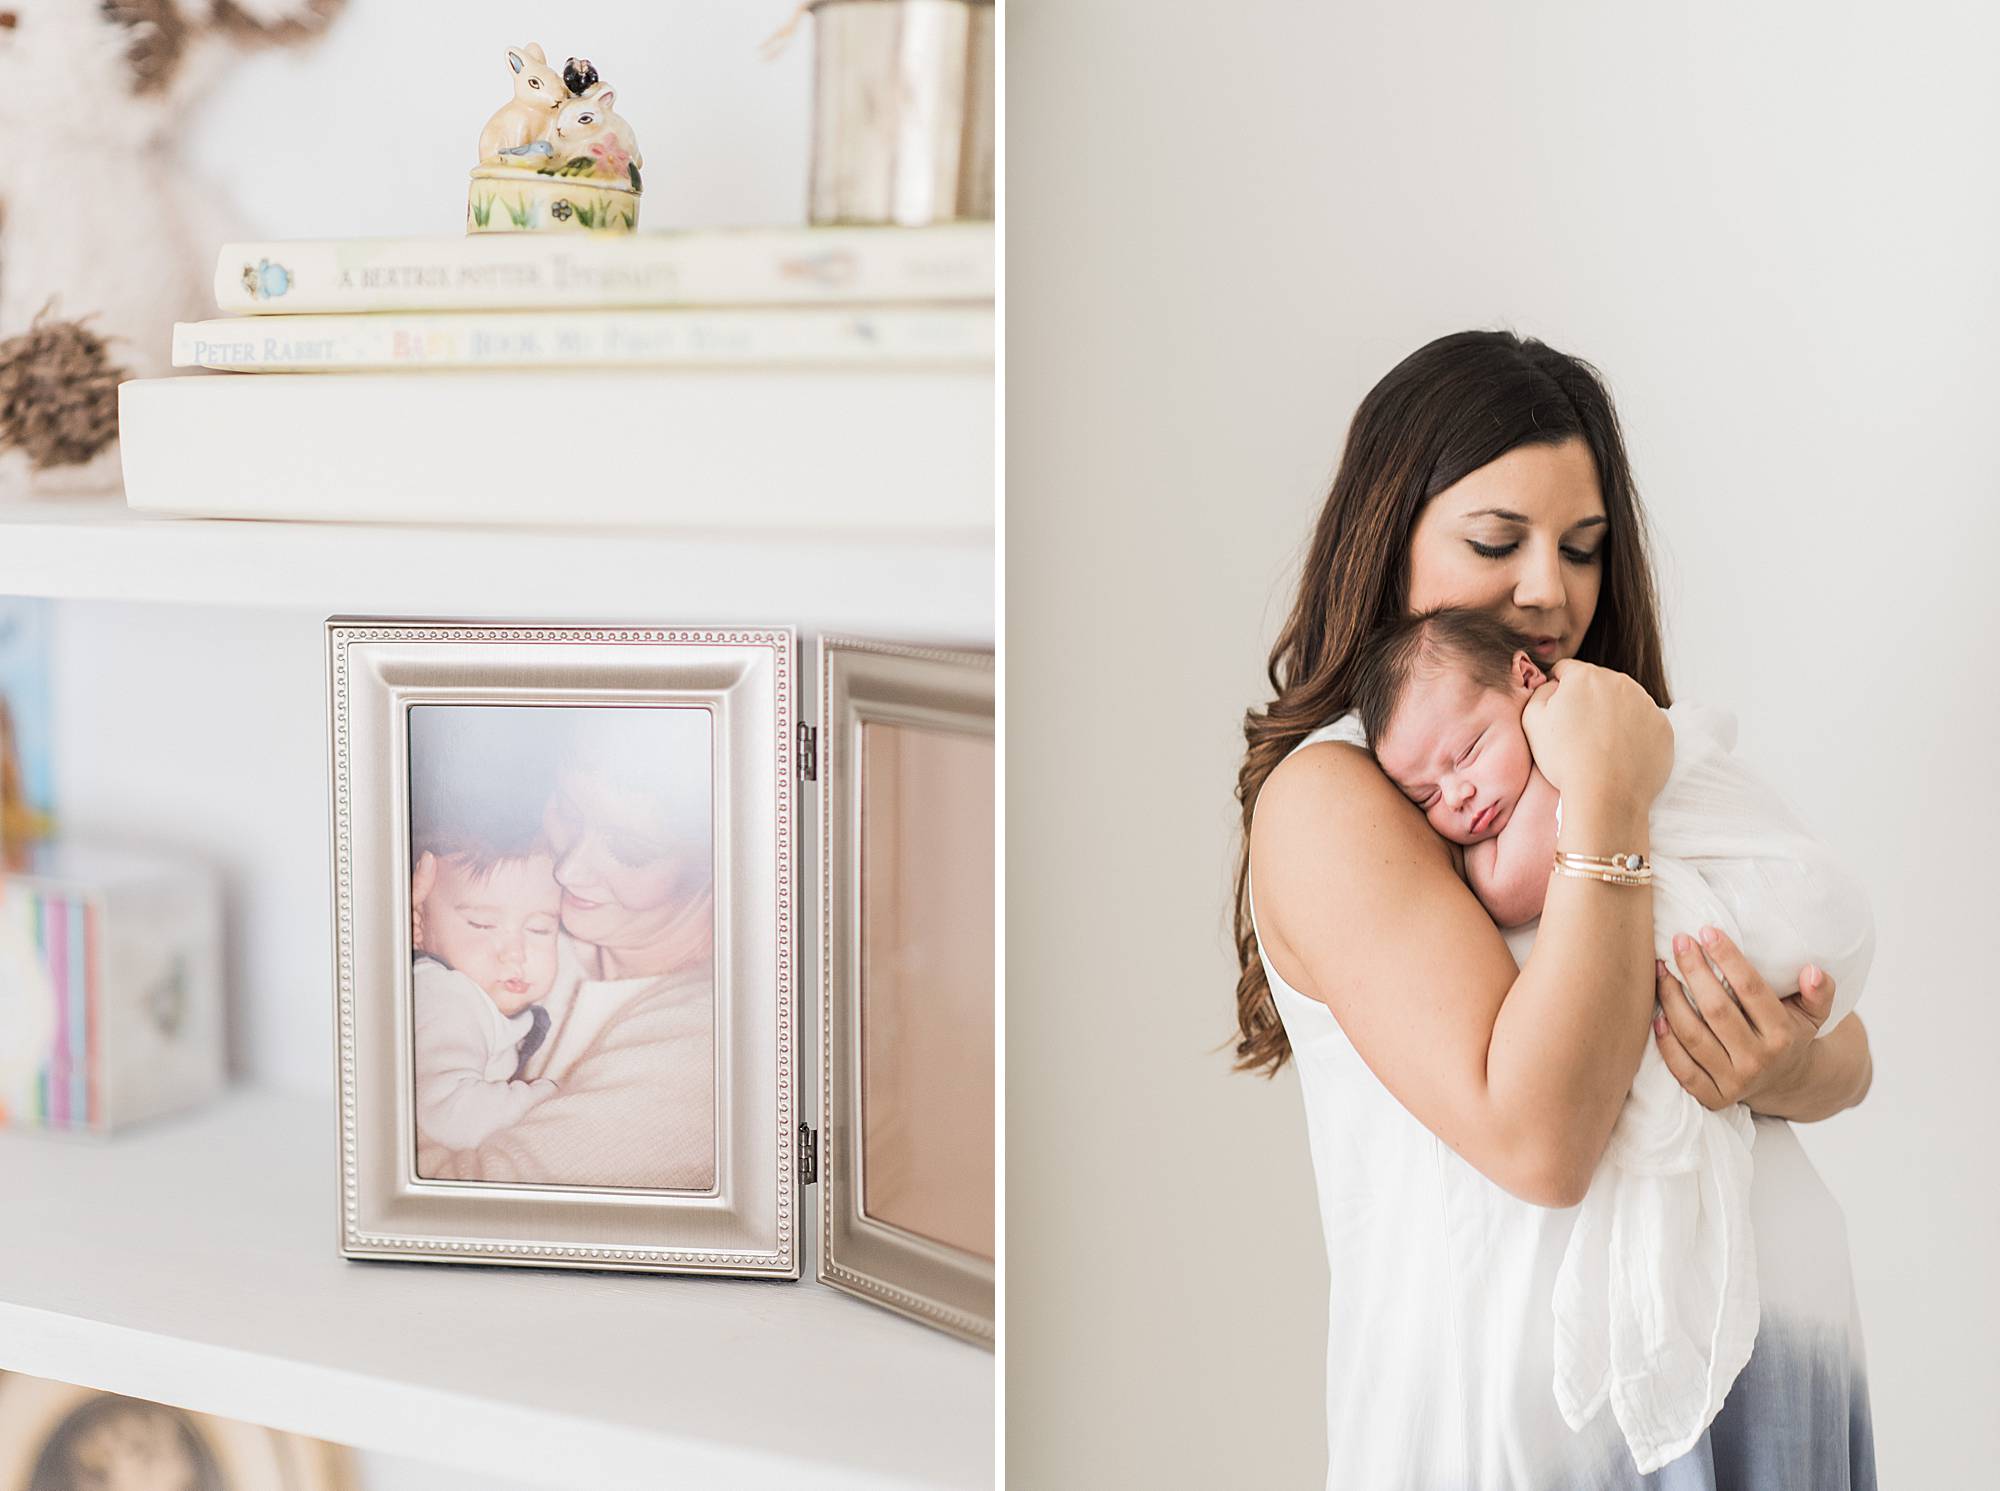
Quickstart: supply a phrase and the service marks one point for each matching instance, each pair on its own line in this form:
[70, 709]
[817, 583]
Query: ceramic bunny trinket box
[555, 157]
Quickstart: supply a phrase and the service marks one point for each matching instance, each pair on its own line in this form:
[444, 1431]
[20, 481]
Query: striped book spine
[66, 1090]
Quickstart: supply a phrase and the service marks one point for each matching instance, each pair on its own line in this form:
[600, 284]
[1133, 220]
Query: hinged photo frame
[907, 1009]
[596, 823]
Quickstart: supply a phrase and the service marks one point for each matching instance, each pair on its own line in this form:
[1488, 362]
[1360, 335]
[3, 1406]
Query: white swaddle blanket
[1656, 1303]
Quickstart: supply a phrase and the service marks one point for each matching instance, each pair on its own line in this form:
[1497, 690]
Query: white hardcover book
[738, 449]
[511, 271]
[817, 336]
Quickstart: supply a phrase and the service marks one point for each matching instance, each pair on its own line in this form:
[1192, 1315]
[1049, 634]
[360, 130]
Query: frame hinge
[808, 1154]
[809, 753]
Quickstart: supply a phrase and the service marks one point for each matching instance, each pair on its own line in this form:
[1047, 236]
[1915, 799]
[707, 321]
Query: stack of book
[701, 379]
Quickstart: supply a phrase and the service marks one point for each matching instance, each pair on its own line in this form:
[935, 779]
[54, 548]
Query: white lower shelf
[194, 1262]
[930, 586]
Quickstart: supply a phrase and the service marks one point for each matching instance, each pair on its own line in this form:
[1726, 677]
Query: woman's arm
[1522, 1072]
[637, 1109]
[1838, 1073]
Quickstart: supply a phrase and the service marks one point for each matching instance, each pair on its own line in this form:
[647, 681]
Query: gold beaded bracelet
[1612, 869]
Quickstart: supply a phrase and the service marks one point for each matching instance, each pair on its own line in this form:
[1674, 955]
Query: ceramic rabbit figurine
[557, 158]
[538, 90]
[587, 128]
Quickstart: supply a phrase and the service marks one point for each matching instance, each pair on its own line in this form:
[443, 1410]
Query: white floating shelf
[924, 586]
[194, 1262]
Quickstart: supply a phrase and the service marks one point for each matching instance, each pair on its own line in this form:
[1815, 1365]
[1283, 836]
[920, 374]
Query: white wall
[1774, 229]
[371, 131]
[203, 731]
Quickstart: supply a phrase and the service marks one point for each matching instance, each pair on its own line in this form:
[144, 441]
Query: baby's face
[498, 929]
[1458, 750]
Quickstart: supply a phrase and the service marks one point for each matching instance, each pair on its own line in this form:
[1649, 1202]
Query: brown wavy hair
[1444, 411]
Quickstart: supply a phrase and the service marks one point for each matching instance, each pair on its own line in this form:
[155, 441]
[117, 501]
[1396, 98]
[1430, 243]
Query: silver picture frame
[744, 1222]
[912, 1269]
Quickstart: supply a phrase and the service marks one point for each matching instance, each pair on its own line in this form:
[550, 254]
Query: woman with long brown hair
[1461, 1085]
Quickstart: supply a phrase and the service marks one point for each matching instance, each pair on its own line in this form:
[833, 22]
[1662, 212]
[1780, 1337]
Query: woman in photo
[1458, 1104]
[126, 1444]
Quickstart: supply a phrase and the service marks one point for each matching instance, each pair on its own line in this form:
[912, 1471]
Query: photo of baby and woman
[57, 1436]
[562, 898]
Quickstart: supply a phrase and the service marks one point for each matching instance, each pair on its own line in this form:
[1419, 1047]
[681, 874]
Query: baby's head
[494, 920]
[1440, 695]
[484, 886]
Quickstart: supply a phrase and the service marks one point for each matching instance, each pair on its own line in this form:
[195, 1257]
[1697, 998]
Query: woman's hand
[1593, 728]
[1751, 1048]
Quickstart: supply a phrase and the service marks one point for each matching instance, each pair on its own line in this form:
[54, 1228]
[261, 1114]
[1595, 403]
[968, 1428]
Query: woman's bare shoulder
[1335, 845]
[1332, 788]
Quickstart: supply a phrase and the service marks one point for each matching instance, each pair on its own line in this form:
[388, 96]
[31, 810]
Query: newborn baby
[1662, 1242]
[1446, 728]
[486, 958]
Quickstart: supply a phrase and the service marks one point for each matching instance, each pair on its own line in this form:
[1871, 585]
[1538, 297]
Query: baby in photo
[1656, 1299]
[486, 910]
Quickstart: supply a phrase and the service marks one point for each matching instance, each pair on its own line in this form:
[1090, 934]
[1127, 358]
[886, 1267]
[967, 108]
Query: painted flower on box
[611, 155]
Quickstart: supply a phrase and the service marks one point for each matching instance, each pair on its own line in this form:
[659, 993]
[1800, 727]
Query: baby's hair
[478, 848]
[1427, 644]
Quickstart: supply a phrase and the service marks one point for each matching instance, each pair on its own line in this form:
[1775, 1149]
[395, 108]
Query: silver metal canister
[902, 111]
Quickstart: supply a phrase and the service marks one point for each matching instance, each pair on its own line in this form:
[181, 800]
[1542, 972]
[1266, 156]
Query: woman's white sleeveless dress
[1440, 1336]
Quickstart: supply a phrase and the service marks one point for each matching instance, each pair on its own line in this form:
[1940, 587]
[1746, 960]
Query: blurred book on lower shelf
[743, 448]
